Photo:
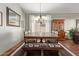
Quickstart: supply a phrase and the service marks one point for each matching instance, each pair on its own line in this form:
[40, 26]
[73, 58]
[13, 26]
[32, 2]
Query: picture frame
[13, 18]
[0, 18]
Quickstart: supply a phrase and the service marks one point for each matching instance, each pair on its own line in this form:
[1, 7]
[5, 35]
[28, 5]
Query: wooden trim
[12, 49]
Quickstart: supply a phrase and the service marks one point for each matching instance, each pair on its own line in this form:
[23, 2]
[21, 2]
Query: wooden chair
[61, 35]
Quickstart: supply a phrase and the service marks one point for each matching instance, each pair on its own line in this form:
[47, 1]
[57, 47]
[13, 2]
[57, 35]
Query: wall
[31, 23]
[15, 7]
[27, 22]
[10, 35]
[69, 19]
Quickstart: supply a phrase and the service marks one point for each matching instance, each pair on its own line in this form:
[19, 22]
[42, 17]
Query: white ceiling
[50, 7]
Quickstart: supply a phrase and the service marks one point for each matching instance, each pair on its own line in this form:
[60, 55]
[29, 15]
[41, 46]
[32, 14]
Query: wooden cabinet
[57, 24]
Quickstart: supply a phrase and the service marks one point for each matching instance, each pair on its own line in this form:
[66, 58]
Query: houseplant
[70, 33]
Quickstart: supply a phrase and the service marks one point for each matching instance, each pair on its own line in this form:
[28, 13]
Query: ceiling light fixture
[40, 16]
[41, 20]
[40, 11]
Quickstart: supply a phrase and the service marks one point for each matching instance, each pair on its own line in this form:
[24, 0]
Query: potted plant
[70, 33]
[76, 37]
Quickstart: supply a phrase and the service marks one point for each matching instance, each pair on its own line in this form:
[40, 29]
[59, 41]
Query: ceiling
[50, 7]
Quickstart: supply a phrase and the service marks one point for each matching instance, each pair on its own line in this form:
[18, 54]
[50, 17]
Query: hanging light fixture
[40, 11]
[40, 16]
[41, 20]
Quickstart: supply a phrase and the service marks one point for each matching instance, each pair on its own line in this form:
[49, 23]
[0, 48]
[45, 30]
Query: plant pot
[76, 37]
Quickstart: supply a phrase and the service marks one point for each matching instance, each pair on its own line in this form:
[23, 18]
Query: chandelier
[41, 20]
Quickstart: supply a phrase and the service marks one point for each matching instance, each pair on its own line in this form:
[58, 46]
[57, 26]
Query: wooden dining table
[40, 36]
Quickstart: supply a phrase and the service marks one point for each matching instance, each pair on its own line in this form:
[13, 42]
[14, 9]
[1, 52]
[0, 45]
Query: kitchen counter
[70, 47]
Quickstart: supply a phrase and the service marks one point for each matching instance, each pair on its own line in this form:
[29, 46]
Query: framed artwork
[0, 18]
[77, 23]
[13, 19]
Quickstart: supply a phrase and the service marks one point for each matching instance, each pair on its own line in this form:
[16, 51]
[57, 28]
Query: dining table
[41, 46]
[40, 36]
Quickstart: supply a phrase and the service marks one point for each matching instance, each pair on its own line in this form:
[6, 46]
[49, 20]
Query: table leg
[42, 53]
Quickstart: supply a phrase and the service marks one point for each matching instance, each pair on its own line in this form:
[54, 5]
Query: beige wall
[10, 35]
[27, 22]
[15, 7]
[69, 19]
